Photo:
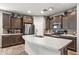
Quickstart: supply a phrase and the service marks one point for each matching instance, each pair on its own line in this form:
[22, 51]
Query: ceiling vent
[45, 10]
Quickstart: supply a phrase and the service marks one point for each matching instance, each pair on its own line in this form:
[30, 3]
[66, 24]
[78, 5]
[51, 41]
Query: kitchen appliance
[28, 29]
[57, 28]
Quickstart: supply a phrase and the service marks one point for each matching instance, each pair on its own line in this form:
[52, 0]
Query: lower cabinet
[10, 40]
[73, 44]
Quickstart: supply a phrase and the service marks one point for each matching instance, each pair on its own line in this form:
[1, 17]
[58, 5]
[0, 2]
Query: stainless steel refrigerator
[28, 29]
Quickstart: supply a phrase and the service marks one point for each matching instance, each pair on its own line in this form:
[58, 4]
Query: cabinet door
[47, 24]
[65, 22]
[18, 39]
[73, 21]
[6, 20]
[6, 41]
[16, 23]
[58, 19]
[10, 40]
[70, 21]
[73, 44]
[27, 19]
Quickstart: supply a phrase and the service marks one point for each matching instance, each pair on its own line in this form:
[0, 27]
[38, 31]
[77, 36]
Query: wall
[1, 29]
[39, 22]
[78, 28]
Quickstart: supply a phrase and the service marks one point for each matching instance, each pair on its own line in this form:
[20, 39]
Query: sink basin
[39, 36]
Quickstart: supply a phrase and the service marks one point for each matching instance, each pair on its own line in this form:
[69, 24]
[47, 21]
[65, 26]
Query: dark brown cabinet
[70, 21]
[16, 23]
[50, 21]
[6, 41]
[11, 24]
[6, 20]
[57, 19]
[27, 19]
[47, 24]
[10, 40]
[73, 44]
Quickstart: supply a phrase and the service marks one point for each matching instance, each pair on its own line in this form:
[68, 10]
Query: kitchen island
[37, 45]
[73, 45]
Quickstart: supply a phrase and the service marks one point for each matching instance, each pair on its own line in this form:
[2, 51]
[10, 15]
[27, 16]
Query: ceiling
[36, 8]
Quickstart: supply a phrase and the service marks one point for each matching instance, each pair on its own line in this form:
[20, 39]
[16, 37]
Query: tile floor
[19, 50]
[13, 50]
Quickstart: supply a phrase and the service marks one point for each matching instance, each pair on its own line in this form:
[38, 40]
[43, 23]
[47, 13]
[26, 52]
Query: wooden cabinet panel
[6, 20]
[5, 41]
[18, 39]
[70, 21]
[10, 40]
[57, 19]
[73, 44]
[50, 22]
[16, 23]
[27, 19]
[47, 24]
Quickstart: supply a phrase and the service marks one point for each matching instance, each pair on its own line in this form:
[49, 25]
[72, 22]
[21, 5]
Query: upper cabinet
[51, 20]
[57, 19]
[28, 19]
[70, 21]
[13, 23]
[47, 23]
[16, 22]
[6, 20]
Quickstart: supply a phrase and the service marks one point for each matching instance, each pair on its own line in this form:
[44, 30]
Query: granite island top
[48, 42]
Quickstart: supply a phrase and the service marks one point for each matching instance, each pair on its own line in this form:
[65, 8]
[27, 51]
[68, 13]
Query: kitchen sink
[39, 36]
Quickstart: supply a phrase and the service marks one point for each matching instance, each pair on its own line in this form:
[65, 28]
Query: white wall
[39, 22]
[78, 28]
[1, 29]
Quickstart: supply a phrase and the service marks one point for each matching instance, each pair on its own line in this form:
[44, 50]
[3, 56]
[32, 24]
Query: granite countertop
[48, 42]
[69, 35]
[66, 35]
[12, 34]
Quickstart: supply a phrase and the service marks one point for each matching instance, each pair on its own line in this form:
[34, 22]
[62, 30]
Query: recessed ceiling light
[29, 11]
[50, 9]
[42, 12]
